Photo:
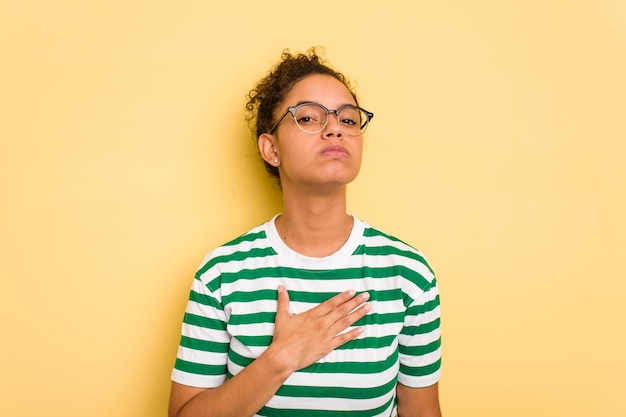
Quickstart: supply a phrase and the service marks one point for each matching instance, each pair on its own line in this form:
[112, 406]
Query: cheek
[358, 151]
[297, 149]
[294, 159]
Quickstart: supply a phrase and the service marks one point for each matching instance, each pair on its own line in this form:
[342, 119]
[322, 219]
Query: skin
[313, 176]
[418, 402]
[314, 170]
[299, 340]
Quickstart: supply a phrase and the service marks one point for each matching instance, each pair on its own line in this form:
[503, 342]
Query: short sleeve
[420, 340]
[202, 355]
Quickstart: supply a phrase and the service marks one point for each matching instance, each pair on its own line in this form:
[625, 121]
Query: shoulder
[390, 251]
[253, 243]
[380, 242]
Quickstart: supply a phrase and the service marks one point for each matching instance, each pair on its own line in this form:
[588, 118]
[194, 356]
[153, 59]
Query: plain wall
[498, 149]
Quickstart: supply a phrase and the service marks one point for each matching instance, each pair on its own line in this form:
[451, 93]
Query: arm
[299, 340]
[420, 340]
[242, 395]
[418, 402]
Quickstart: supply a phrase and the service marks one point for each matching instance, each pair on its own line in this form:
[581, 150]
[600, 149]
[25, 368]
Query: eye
[310, 115]
[307, 119]
[349, 122]
[349, 116]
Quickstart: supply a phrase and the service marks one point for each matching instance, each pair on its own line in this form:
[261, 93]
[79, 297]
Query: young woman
[315, 312]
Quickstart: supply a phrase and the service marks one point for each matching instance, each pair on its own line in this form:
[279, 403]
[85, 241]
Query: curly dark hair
[272, 89]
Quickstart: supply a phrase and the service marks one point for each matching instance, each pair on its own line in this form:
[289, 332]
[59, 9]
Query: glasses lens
[311, 118]
[353, 120]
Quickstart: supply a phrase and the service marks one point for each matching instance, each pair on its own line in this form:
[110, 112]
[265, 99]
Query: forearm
[244, 394]
[418, 402]
[298, 341]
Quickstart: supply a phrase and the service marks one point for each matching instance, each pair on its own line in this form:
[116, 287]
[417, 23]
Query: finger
[333, 302]
[343, 338]
[348, 320]
[348, 306]
[351, 318]
[282, 307]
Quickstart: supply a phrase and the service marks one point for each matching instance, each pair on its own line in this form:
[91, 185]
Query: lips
[335, 150]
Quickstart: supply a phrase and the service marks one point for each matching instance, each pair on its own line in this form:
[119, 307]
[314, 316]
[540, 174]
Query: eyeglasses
[313, 118]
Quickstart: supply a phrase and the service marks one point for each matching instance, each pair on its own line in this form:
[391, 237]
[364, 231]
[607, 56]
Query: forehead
[319, 88]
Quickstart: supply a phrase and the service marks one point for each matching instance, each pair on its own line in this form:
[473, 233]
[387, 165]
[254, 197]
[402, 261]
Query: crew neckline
[327, 262]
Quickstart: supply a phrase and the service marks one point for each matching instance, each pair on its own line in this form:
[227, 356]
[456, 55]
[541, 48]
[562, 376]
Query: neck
[315, 225]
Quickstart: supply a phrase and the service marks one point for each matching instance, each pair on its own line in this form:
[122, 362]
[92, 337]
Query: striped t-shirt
[229, 320]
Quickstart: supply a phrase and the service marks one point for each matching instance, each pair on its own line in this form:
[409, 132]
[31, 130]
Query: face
[326, 159]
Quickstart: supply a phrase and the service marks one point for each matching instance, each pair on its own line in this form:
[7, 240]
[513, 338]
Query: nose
[333, 128]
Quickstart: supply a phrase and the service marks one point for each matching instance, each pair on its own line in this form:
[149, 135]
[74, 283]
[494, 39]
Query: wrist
[279, 362]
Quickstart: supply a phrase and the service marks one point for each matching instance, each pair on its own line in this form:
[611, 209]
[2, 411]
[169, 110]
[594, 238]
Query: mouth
[335, 151]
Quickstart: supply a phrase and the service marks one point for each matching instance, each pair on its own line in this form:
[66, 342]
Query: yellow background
[498, 148]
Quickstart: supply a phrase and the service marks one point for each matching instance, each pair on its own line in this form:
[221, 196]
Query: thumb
[282, 307]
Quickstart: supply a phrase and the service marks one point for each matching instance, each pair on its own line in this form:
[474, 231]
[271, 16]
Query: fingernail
[367, 307]
[365, 296]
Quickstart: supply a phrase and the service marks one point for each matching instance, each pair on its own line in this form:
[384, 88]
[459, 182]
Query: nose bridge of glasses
[336, 118]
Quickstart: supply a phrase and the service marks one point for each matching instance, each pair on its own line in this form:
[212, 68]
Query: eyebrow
[315, 102]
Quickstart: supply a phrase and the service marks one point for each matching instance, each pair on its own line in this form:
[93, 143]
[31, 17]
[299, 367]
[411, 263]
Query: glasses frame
[294, 109]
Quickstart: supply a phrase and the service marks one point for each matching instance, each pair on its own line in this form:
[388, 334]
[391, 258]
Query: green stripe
[199, 368]
[248, 237]
[423, 308]
[420, 350]
[311, 297]
[337, 392]
[203, 345]
[407, 298]
[261, 317]
[353, 367]
[274, 412]
[392, 250]
[270, 317]
[254, 340]
[386, 295]
[236, 256]
[249, 297]
[371, 232]
[380, 318]
[330, 367]
[421, 329]
[361, 343]
[336, 274]
[421, 370]
[205, 300]
[204, 322]
[305, 297]
[368, 343]
[238, 359]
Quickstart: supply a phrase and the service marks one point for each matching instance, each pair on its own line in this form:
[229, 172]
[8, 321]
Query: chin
[343, 179]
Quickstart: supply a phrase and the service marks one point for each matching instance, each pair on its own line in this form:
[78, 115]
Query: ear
[267, 149]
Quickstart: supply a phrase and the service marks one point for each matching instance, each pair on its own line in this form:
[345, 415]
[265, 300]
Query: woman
[314, 313]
